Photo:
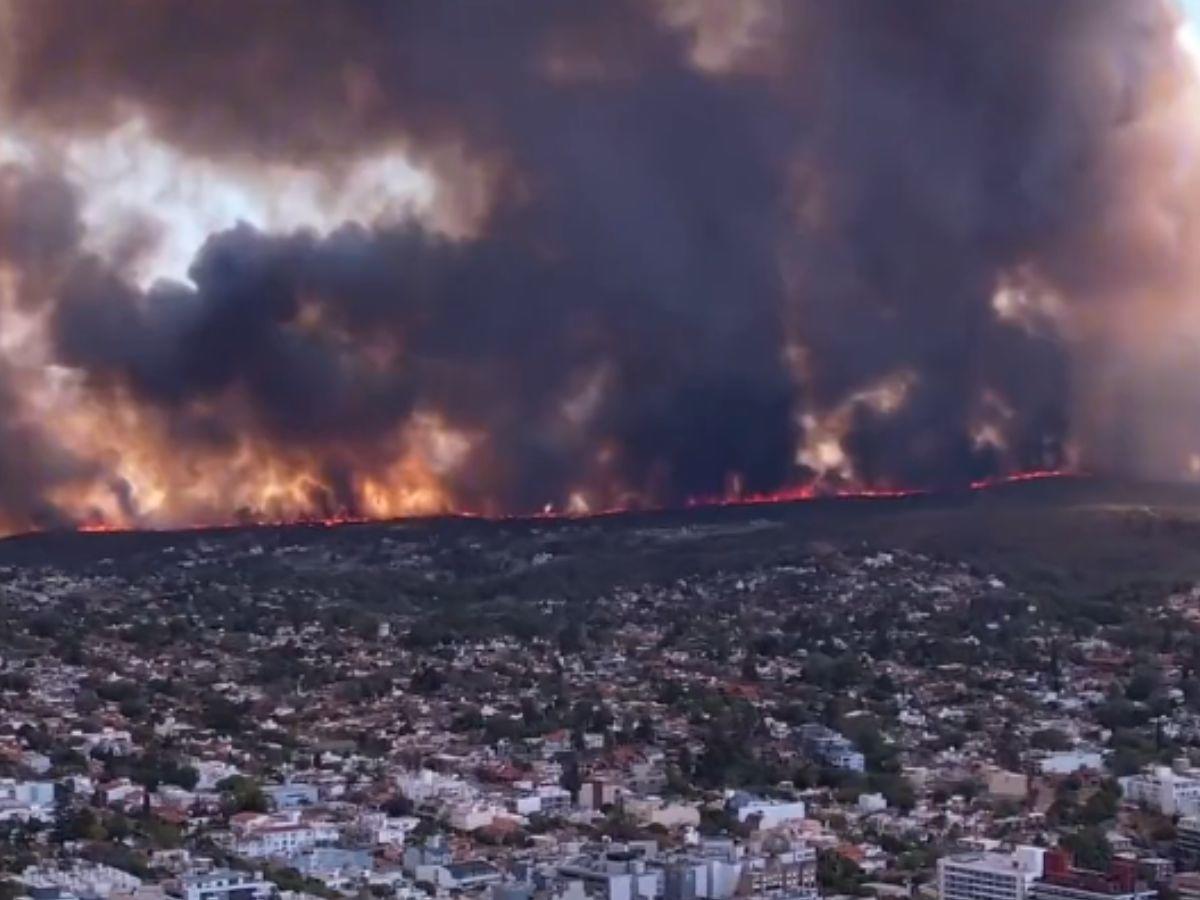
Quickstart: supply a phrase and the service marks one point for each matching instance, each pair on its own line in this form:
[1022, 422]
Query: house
[769, 813]
[291, 796]
[545, 799]
[663, 813]
[226, 884]
[831, 748]
[279, 835]
[337, 869]
[466, 876]
[869, 804]
[26, 800]
[121, 793]
[82, 879]
[598, 793]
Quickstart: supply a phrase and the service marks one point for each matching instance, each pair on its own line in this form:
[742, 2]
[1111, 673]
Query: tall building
[1164, 790]
[989, 876]
[1062, 881]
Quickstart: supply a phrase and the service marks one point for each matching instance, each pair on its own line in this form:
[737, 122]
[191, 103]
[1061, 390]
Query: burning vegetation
[382, 260]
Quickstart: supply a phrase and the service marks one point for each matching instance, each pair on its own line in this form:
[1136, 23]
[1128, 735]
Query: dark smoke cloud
[954, 143]
[855, 187]
[39, 233]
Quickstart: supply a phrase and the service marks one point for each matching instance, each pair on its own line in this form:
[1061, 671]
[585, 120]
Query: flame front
[381, 261]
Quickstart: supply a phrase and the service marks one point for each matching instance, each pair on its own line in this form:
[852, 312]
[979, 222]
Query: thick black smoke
[715, 250]
[39, 234]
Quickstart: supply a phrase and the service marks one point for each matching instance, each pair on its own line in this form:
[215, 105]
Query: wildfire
[575, 510]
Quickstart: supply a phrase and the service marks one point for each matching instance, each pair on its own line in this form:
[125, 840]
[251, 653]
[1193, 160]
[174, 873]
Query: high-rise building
[1164, 790]
[989, 876]
[1062, 881]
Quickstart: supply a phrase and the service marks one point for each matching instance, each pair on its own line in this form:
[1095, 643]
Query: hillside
[1077, 536]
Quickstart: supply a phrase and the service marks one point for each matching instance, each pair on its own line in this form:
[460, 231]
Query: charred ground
[1068, 537]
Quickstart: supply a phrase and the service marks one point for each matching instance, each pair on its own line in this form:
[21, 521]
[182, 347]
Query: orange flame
[796, 494]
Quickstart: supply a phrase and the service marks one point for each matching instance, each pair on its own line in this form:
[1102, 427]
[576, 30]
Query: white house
[226, 884]
[770, 813]
[1170, 793]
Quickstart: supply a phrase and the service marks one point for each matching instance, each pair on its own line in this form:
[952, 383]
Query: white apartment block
[427, 786]
[280, 835]
[226, 884]
[1164, 790]
[989, 876]
[81, 879]
[770, 813]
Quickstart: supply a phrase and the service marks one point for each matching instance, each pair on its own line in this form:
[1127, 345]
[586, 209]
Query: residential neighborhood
[233, 716]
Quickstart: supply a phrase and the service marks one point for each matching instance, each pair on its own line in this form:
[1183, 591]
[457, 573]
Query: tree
[398, 805]
[571, 779]
[1050, 739]
[243, 794]
[750, 664]
[1143, 683]
[1102, 805]
[427, 680]
[221, 714]
[1090, 847]
[838, 875]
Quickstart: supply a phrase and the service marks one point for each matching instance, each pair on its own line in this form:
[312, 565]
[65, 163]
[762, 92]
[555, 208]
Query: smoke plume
[380, 258]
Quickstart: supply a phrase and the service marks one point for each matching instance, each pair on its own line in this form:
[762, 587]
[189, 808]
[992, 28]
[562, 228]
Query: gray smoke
[851, 190]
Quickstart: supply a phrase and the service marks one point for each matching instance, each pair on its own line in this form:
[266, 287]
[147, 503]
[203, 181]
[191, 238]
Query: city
[330, 712]
[599, 449]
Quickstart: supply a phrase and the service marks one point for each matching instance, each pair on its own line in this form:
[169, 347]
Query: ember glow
[387, 260]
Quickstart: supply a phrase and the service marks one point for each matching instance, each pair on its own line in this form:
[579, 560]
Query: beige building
[1009, 785]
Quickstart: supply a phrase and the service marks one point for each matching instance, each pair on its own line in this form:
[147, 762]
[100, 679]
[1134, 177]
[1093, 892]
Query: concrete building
[29, 793]
[464, 876]
[26, 800]
[989, 876]
[790, 874]
[1187, 842]
[598, 793]
[422, 861]
[831, 748]
[1187, 885]
[619, 874]
[291, 796]
[1070, 761]
[1164, 790]
[1062, 881]
[1007, 785]
[1157, 871]
[81, 879]
[337, 869]
[226, 884]
[711, 871]
[280, 835]
[545, 799]
[770, 813]
[869, 804]
[664, 813]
